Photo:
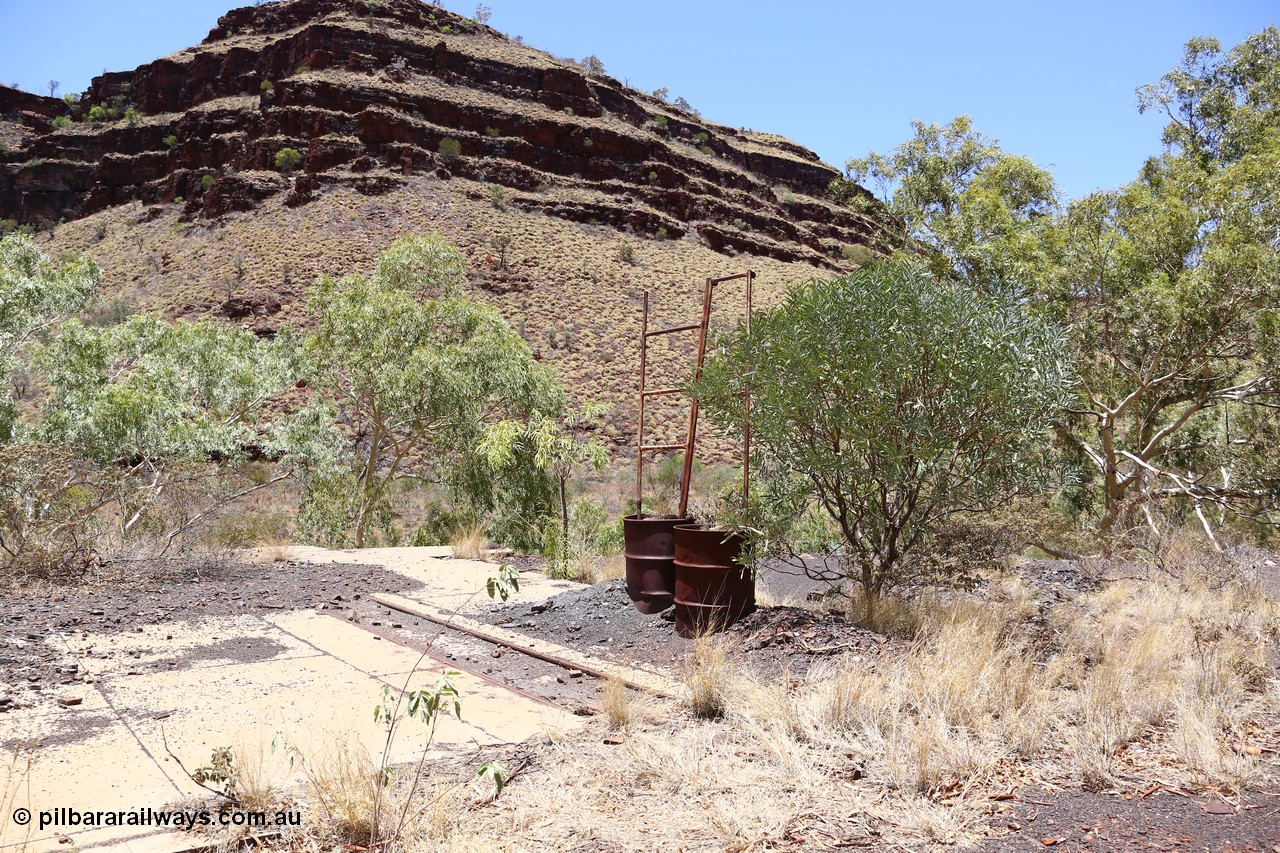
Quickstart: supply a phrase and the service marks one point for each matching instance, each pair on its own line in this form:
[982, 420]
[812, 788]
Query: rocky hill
[570, 192]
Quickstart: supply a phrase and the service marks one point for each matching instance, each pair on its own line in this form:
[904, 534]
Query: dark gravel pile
[600, 620]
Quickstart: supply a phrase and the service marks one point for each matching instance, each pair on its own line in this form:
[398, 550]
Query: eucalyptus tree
[1171, 285]
[168, 412]
[420, 376]
[36, 293]
[976, 211]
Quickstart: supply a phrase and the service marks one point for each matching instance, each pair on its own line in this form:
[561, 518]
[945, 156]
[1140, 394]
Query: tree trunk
[564, 513]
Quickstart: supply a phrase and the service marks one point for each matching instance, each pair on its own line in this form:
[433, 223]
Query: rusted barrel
[712, 591]
[650, 549]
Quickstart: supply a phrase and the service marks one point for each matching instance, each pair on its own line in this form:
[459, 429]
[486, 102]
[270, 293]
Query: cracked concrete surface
[191, 687]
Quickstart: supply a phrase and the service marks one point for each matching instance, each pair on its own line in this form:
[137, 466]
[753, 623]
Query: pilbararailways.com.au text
[67, 818]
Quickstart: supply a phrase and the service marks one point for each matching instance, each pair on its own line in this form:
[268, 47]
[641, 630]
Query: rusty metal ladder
[692, 433]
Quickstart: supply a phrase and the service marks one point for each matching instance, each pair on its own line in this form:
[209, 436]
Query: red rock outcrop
[371, 92]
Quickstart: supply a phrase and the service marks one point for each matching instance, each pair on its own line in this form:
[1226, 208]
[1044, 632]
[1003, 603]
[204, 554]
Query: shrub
[106, 314]
[627, 253]
[592, 533]
[131, 116]
[662, 233]
[103, 112]
[170, 141]
[859, 255]
[450, 150]
[266, 86]
[893, 400]
[206, 181]
[61, 122]
[288, 159]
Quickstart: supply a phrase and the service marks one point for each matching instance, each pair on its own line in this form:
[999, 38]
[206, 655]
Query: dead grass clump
[593, 570]
[469, 543]
[619, 704]
[1173, 648]
[346, 789]
[706, 676]
[255, 785]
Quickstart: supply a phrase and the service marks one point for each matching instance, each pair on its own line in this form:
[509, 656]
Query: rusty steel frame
[692, 434]
[641, 447]
[707, 294]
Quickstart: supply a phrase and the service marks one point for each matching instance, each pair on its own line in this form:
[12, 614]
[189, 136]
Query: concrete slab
[184, 646]
[240, 681]
[446, 582]
[360, 649]
[101, 766]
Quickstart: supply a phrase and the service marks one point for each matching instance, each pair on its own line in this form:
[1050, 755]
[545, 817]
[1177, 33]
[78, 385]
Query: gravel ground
[601, 621]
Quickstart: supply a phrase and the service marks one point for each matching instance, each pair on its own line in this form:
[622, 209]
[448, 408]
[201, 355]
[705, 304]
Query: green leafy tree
[561, 447]
[421, 374]
[169, 410]
[892, 400]
[450, 150]
[35, 294]
[974, 209]
[1172, 287]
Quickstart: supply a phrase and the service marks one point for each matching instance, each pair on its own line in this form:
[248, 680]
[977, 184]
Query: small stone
[575, 673]
[70, 701]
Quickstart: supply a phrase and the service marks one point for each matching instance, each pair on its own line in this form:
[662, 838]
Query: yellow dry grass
[1151, 679]
[470, 543]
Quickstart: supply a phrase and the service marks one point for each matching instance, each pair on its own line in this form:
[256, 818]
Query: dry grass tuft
[596, 569]
[346, 788]
[619, 703]
[255, 785]
[470, 543]
[707, 675]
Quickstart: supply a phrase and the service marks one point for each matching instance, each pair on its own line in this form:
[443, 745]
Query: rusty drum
[650, 550]
[712, 591]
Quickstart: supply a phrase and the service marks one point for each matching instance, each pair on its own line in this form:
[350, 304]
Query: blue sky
[1053, 81]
